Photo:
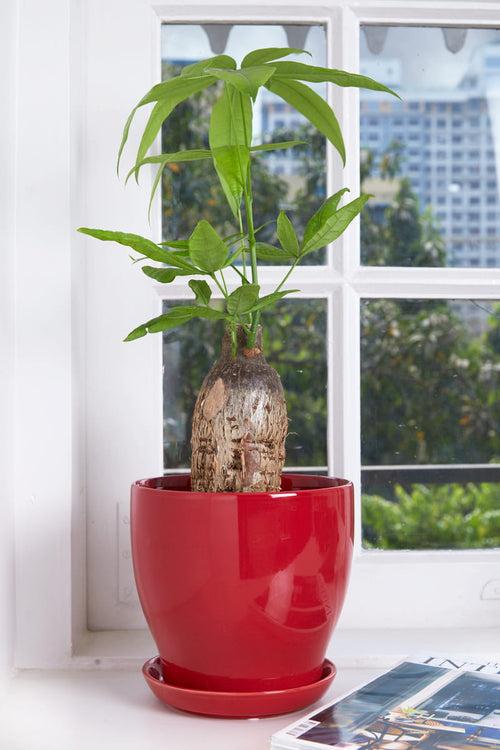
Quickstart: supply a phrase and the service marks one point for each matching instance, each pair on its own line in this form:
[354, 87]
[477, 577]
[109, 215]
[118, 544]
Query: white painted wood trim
[43, 472]
[8, 65]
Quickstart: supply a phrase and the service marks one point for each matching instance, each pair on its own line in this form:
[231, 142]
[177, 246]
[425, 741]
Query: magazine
[428, 703]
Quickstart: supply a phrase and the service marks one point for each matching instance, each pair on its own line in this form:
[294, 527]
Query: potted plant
[241, 570]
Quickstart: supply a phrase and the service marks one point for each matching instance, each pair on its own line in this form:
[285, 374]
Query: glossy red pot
[242, 591]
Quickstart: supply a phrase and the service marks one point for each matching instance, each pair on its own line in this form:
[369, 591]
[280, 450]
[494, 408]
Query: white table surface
[111, 709]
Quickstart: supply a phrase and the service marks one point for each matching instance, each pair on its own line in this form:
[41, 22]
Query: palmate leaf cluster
[205, 253]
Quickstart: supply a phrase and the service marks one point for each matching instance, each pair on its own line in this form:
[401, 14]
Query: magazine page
[429, 703]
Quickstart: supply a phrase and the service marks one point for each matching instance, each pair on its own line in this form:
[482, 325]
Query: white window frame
[66, 419]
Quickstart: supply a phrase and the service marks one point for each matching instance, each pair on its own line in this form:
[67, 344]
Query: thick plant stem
[239, 422]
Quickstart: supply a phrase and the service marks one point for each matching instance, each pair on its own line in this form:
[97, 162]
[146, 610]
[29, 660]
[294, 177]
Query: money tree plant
[239, 423]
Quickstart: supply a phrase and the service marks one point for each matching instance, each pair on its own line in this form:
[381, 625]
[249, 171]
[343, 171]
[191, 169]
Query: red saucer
[236, 705]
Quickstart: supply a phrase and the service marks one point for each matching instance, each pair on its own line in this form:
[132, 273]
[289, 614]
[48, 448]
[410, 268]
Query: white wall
[8, 13]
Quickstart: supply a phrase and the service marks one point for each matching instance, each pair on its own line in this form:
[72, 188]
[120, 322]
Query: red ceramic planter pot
[242, 591]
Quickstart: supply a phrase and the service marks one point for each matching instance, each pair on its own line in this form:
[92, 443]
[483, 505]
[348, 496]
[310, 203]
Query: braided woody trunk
[239, 423]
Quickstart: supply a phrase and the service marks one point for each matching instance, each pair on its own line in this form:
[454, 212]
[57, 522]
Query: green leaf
[183, 89]
[177, 89]
[260, 56]
[230, 134]
[302, 72]
[180, 260]
[175, 317]
[277, 146]
[202, 290]
[167, 96]
[322, 214]
[154, 187]
[269, 252]
[198, 68]
[247, 81]
[137, 333]
[234, 256]
[124, 138]
[178, 315]
[334, 225]
[193, 154]
[243, 299]
[231, 125]
[286, 235]
[313, 107]
[206, 249]
[181, 244]
[135, 241]
[164, 275]
[230, 163]
[271, 299]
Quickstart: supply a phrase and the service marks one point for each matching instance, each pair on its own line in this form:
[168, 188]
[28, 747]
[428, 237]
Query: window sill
[114, 710]
[84, 706]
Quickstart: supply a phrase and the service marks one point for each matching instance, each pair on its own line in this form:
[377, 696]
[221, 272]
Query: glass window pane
[435, 150]
[294, 343]
[293, 180]
[430, 378]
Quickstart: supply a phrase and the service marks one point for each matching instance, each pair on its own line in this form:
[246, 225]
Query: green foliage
[167, 96]
[452, 516]
[164, 275]
[300, 72]
[287, 235]
[330, 223]
[201, 291]
[230, 136]
[268, 252]
[140, 244]
[198, 68]
[230, 150]
[207, 250]
[247, 81]
[176, 316]
[243, 299]
[313, 107]
[191, 192]
[268, 54]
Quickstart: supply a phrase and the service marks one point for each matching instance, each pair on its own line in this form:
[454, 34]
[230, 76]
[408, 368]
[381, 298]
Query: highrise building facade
[450, 149]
